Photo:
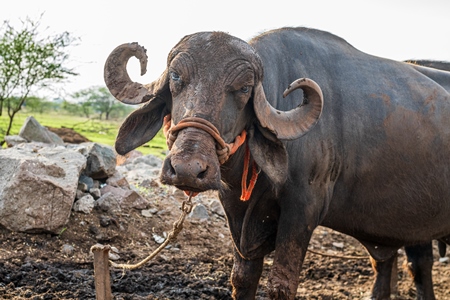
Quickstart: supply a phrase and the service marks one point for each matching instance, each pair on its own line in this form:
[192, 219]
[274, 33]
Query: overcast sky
[395, 29]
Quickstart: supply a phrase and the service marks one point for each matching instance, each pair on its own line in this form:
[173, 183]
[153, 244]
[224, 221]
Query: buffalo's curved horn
[116, 75]
[292, 124]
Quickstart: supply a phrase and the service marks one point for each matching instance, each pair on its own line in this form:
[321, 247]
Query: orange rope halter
[223, 153]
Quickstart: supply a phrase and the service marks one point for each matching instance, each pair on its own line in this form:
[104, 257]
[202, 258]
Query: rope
[338, 256]
[186, 208]
[247, 190]
[224, 151]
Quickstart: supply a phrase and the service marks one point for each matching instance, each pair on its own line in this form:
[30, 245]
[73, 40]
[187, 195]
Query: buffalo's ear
[141, 125]
[269, 153]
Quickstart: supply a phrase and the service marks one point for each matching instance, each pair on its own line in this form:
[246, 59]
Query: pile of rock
[42, 179]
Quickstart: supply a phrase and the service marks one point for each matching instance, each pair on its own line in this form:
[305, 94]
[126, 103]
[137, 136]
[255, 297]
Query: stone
[339, 245]
[146, 213]
[87, 180]
[127, 198]
[82, 187]
[14, 140]
[199, 212]
[95, 192]
[127, 158]
[108, 202]
[101, 160]
[33, 131]
[118, 180]
[216, 207]
[38, 187]
[444, 260]
[67, 249]
[85, 204]
[149, 160]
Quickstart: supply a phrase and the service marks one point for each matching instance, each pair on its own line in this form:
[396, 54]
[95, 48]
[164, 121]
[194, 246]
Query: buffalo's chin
[188, 189]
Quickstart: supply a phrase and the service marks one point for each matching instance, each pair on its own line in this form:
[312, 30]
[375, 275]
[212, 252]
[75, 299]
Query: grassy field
[99, 131]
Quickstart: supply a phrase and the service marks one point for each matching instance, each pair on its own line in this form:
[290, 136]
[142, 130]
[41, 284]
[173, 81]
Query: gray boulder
[101, 161]
[38, 186]
[127, 198]
[108, 202]
[33, 131]
[14, 140]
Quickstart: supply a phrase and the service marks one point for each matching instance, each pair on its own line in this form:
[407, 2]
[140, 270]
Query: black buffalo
[361, 147]
[436, 64]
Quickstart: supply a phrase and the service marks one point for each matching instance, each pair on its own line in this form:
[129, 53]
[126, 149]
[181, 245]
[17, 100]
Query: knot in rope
[224, 150]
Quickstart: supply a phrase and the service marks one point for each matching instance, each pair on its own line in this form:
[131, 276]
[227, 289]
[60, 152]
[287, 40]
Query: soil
[69, 135]
[196, 266]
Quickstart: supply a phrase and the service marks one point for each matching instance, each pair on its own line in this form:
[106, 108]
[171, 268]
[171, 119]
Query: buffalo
[297, 128]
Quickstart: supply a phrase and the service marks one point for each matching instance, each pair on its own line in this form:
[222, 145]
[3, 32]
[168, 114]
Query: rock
[146, 213]
[82, 187]
[177, 193]
[79, 194]
[444, 260]
[33, 131]
[108, 202]
[84, 204]
[118, 180]
[142, 168]
[127, 158]
[101, 161]
[127, 198]
[159, 239]
[14, 140]
[95, 192]
[151, 183]
[338, 245]
[87, 180]
[38, 186]
[113, 256]
[97, 167]
[149, 160]
[68, 249]
[199, 212]
[104, 221]
[216, 207]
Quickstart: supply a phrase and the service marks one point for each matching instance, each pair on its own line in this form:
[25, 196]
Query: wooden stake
[101, 272]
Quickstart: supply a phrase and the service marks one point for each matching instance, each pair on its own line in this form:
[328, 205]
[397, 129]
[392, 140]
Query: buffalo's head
[215, 78]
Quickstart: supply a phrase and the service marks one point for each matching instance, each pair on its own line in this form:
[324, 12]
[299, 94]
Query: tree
[38, 105]
[71, 108]
[100, 100]
[29, 62]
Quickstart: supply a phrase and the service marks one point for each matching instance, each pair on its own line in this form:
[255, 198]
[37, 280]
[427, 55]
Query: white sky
[396, 29]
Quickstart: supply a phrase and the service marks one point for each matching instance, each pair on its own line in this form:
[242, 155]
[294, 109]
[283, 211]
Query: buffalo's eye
[245, 89]
[174, 76]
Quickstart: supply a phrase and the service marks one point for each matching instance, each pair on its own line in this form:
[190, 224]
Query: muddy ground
[196, 266]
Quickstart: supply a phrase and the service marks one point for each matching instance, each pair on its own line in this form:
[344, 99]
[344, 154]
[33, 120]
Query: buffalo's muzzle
[192, 164]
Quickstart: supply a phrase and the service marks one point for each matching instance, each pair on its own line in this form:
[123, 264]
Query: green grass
[99, 131]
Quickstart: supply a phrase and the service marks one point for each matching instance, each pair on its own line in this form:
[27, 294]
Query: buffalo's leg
[420, 263]
[245, 277]
[381, 288]
[290, 251]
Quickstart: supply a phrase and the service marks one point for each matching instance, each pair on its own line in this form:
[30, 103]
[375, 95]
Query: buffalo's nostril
[190, 174]
[171, 169]
[202, 174]
[187, 171]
